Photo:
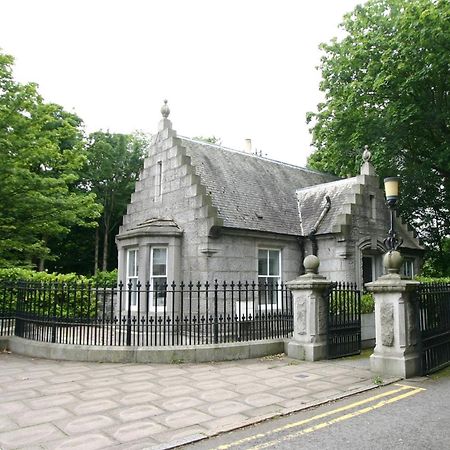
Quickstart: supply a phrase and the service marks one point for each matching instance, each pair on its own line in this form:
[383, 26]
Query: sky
[235, 69]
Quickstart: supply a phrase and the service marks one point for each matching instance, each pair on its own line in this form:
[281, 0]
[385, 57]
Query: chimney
[248, 146]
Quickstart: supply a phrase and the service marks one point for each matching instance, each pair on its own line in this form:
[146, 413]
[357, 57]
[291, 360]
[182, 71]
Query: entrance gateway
[343, 302]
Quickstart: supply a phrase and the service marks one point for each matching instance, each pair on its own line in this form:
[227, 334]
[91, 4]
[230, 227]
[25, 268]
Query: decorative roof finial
[367, 155]
[165, 110]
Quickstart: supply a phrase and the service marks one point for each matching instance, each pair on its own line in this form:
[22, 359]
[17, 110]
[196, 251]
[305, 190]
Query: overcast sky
[235, 69]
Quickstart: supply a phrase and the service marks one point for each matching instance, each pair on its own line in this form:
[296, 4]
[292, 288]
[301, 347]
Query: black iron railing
[343, 302]
[434, 325]
[145, 315]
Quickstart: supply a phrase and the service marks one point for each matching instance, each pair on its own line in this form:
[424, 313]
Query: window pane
[133, 291]
[159, 261]
[159, 286]
[274, 262]
[132, 263]
[262, 262]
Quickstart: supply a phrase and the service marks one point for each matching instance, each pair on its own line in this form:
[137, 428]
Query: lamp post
[391, 188]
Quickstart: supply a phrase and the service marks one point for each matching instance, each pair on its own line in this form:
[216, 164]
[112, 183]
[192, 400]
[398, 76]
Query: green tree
[112, 168]
[41, 154]
[387, 84]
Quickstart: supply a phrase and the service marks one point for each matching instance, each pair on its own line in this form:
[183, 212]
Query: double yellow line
[403, 392]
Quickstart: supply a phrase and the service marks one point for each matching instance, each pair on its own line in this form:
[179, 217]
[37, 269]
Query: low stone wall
[368, 330]
[163, 355]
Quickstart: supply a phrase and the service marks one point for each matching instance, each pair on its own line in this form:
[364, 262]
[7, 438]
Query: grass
[443, 373]
[365, 353]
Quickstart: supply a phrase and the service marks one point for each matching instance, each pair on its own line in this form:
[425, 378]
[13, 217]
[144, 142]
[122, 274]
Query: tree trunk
[105, 246]
[41, 263]
[97, 243]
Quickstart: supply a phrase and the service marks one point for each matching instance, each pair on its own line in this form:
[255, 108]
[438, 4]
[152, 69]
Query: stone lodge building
[202, 212]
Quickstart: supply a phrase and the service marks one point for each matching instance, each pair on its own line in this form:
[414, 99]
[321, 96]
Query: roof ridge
[241, 152]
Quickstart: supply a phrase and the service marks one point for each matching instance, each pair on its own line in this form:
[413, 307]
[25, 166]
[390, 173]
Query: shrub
[367, 303]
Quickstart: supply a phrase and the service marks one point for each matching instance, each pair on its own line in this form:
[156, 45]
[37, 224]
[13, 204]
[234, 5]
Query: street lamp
[391, 189]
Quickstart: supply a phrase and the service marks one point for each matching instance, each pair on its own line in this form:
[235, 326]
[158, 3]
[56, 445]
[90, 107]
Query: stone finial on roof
[165, 122]
[367, 167]
[165, 110]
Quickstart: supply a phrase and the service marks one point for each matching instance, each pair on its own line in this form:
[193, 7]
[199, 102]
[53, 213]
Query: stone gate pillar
[396, 331]
[309, 338]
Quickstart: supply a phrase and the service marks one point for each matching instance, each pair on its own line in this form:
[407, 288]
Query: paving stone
[6, 424]
[30, 436]
[211, 384]
[60, 388]
[94, 406]
[205, 376]
[332, 393]
[19, 395]
[231, 371]
[137, 430]
[176, 391]
[9, 408]
[173, 381]
[305, 376]
[345, 380]
[251, 388]
[105, 373]
[138, 398]
[262, 399]
[23, 384]
[226, 408]
[85, 424]
[298, 403]
[50, 400]
[278, 382]
[138, 412]
[72, 368]
[99, 382]
[175, 372]
[84, 442]
[187, 434]
[139, 376]
[293, 392]
[45, 415]
[319, 386]
[265, 374]
[92, 394]
[178, 403]
[265, 411]
[144, 386]
[238, 379]
[182, 419]
[226, 423]
[214, 395]
[68, 378]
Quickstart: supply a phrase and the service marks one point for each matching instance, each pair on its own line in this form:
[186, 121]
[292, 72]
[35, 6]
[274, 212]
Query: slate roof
[251, 192]
[311, 202]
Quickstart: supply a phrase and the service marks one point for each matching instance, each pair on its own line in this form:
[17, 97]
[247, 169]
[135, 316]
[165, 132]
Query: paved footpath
[48, 404]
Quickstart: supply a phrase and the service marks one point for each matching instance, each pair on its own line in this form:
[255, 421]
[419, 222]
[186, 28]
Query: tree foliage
[113, 162]
[387, 84]
[41, 154]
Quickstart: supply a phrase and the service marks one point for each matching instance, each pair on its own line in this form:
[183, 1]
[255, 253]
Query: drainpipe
[312, 233]
[301, 245]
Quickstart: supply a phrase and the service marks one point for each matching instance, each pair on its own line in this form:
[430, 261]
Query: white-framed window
[132, 276]
[158, 276]
[269, 276]
[408, 267]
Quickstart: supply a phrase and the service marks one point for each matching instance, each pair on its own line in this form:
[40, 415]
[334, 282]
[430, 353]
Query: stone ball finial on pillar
[311, 264]
[165, 110]
[367, 155]
[392, 261]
